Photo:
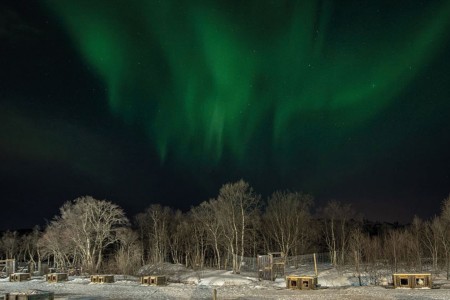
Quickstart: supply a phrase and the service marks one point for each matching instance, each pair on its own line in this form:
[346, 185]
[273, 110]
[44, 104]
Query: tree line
[218, 233]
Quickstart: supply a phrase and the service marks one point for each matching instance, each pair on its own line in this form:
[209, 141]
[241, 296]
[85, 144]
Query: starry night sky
[142, 102]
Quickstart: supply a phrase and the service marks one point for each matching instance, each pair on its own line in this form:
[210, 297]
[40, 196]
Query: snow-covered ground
[200, 285]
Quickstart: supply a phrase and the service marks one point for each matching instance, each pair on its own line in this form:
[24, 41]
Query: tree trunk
[216, 247]
[447, 262]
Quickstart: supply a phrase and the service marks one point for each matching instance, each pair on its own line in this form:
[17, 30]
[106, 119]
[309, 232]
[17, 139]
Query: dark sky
[142, 102]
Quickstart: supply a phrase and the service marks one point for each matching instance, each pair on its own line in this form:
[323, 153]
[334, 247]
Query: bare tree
[183, 239]
[399, 247]
[206, 214]
[445, 233]
[286, 218]
[417, 230]
[392, 247]
[336, 228]
[153, 226]
[141, 223]
[176, 236]
[127, 257]
[371, 256]
[9, 244]
[199, 244]
[193, 242]
[357, 243]
[91, 225]
[235, 204]
[56, 244]
[431, 239]
[30, 245]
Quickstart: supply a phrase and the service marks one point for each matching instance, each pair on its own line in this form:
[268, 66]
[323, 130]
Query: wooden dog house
[56, 277]
[301, 282]
[19, 277]
[40, 295]
[102, 278]
[154, 280]
[412, 280]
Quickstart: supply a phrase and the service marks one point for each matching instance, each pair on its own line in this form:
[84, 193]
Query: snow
[188, 284]
[331, 278]
[220, 278]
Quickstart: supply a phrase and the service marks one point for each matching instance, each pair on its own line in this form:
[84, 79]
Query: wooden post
[315, 264]
[357, 267]
[214, 294]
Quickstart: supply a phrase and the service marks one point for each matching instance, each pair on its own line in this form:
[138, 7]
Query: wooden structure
[271, 266]
[56, 277]
[7, 266]
[19, 277]
[301, 282]
[154, 280]
[412, 280]
[102, 278]
[30, 295]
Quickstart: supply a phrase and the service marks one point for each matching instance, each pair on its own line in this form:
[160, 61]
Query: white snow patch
[331, 278]
[219, 278]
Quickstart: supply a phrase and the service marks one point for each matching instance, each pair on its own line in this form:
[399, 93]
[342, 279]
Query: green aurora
[215, 79]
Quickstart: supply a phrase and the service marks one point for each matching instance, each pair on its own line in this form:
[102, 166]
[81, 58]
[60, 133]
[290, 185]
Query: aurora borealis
[343, 99]
[203, 79]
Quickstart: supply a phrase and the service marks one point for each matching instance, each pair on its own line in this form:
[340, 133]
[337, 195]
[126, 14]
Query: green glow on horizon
[205, 82]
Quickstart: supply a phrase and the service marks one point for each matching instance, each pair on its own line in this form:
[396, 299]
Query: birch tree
[445, 233]
[417, 231]
[336, 228]
[127, 257]
[207, 214]
[91, 225]
[286, 218]
[32, 250]
[236, 203]
[9, 244]
[153, 226]
[431, 239]
[57, 245]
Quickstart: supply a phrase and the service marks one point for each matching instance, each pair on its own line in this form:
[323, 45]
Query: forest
[96, 236]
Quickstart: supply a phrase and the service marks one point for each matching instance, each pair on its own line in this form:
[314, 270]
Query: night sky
[142, 102]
